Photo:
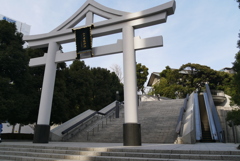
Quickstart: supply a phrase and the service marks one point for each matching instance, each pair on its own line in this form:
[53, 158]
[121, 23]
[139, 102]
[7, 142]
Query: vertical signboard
[83, 39]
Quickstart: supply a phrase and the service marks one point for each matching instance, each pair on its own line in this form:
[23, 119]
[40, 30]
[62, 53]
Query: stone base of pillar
[132, 134]
[41, 134]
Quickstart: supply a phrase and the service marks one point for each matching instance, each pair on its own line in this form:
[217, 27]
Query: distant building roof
[227, 70]
[153, 78]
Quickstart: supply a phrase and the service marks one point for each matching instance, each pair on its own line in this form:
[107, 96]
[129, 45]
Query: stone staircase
[107, 129]
[158, 121]
[55, 153]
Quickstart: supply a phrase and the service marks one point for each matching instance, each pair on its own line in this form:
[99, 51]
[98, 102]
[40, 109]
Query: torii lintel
[63, 33]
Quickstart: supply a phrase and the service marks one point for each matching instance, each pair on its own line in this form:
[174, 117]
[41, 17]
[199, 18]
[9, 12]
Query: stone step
[78, 150]
[38, 153]
[11, 158]
[25, 158]
[157, 118]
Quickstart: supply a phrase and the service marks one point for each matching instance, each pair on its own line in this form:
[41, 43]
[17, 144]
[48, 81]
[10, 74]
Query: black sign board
[83, 40]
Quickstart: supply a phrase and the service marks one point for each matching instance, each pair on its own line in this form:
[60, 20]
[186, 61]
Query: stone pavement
[85, 151]
[197, 146]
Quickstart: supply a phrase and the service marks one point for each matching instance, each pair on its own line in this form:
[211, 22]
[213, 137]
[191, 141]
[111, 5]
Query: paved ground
[198, 146]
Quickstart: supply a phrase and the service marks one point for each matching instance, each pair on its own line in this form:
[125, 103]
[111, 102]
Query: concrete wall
[222, 112]
[188, 124]
[56, 133]
[26, 129]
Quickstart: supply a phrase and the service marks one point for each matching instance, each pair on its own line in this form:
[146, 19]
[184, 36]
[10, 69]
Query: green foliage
[234, 116]
[105, 85]
[197, 75]
[238, 42]
[188, 78]
[223, 81]
[235, 88]
[236, 79]
[77, 88]
[13, 74]
[142, 73]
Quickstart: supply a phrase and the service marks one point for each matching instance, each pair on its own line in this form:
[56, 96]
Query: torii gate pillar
[131, 127]
[41, 132]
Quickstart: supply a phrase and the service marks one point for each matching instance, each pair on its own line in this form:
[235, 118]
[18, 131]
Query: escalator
[198, 120]
[206, 132]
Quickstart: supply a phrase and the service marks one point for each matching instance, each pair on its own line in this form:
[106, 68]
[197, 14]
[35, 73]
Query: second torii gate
[117, 21]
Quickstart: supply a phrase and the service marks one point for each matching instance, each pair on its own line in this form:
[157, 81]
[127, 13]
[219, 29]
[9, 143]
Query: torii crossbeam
[117, 21]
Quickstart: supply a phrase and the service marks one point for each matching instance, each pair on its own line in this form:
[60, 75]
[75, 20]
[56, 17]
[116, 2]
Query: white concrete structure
[117, 21]
[21, 27]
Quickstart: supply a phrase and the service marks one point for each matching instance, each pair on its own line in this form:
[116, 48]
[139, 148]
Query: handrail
[210, 118]
[100, 122]
[197, 118]
[215, 114]
[78, 123]
[109, 108]
[185, 102]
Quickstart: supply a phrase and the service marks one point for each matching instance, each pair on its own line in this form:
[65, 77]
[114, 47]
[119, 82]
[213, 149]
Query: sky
[200, 31]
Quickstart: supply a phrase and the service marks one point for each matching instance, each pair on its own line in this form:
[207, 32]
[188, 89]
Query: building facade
[21, 27]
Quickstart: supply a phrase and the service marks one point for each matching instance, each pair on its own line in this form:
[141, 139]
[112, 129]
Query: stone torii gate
[117, 21]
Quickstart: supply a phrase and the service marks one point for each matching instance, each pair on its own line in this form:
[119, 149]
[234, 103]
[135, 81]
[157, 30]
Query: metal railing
[103, 122]
[93, 122]
[78, 123]
[73, 130]
[215, 115]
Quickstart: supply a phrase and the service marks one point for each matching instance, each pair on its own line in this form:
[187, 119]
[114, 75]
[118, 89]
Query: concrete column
[42, 129]
[131, 128]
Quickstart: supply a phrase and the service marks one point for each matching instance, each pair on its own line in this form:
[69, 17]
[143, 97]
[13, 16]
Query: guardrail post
[117, 105]
[117, 110]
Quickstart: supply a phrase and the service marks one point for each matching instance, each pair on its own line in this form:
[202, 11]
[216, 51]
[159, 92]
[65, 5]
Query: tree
[188, 78]
[78, 84]
[60, 102]
[118, 71]
[236, 79]
[234, 116]
[34, 83]
[77, 88]
[170, 83]
[13, 74]
[104, 89]
[197, 75]
[142, 73]
[87, 88]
